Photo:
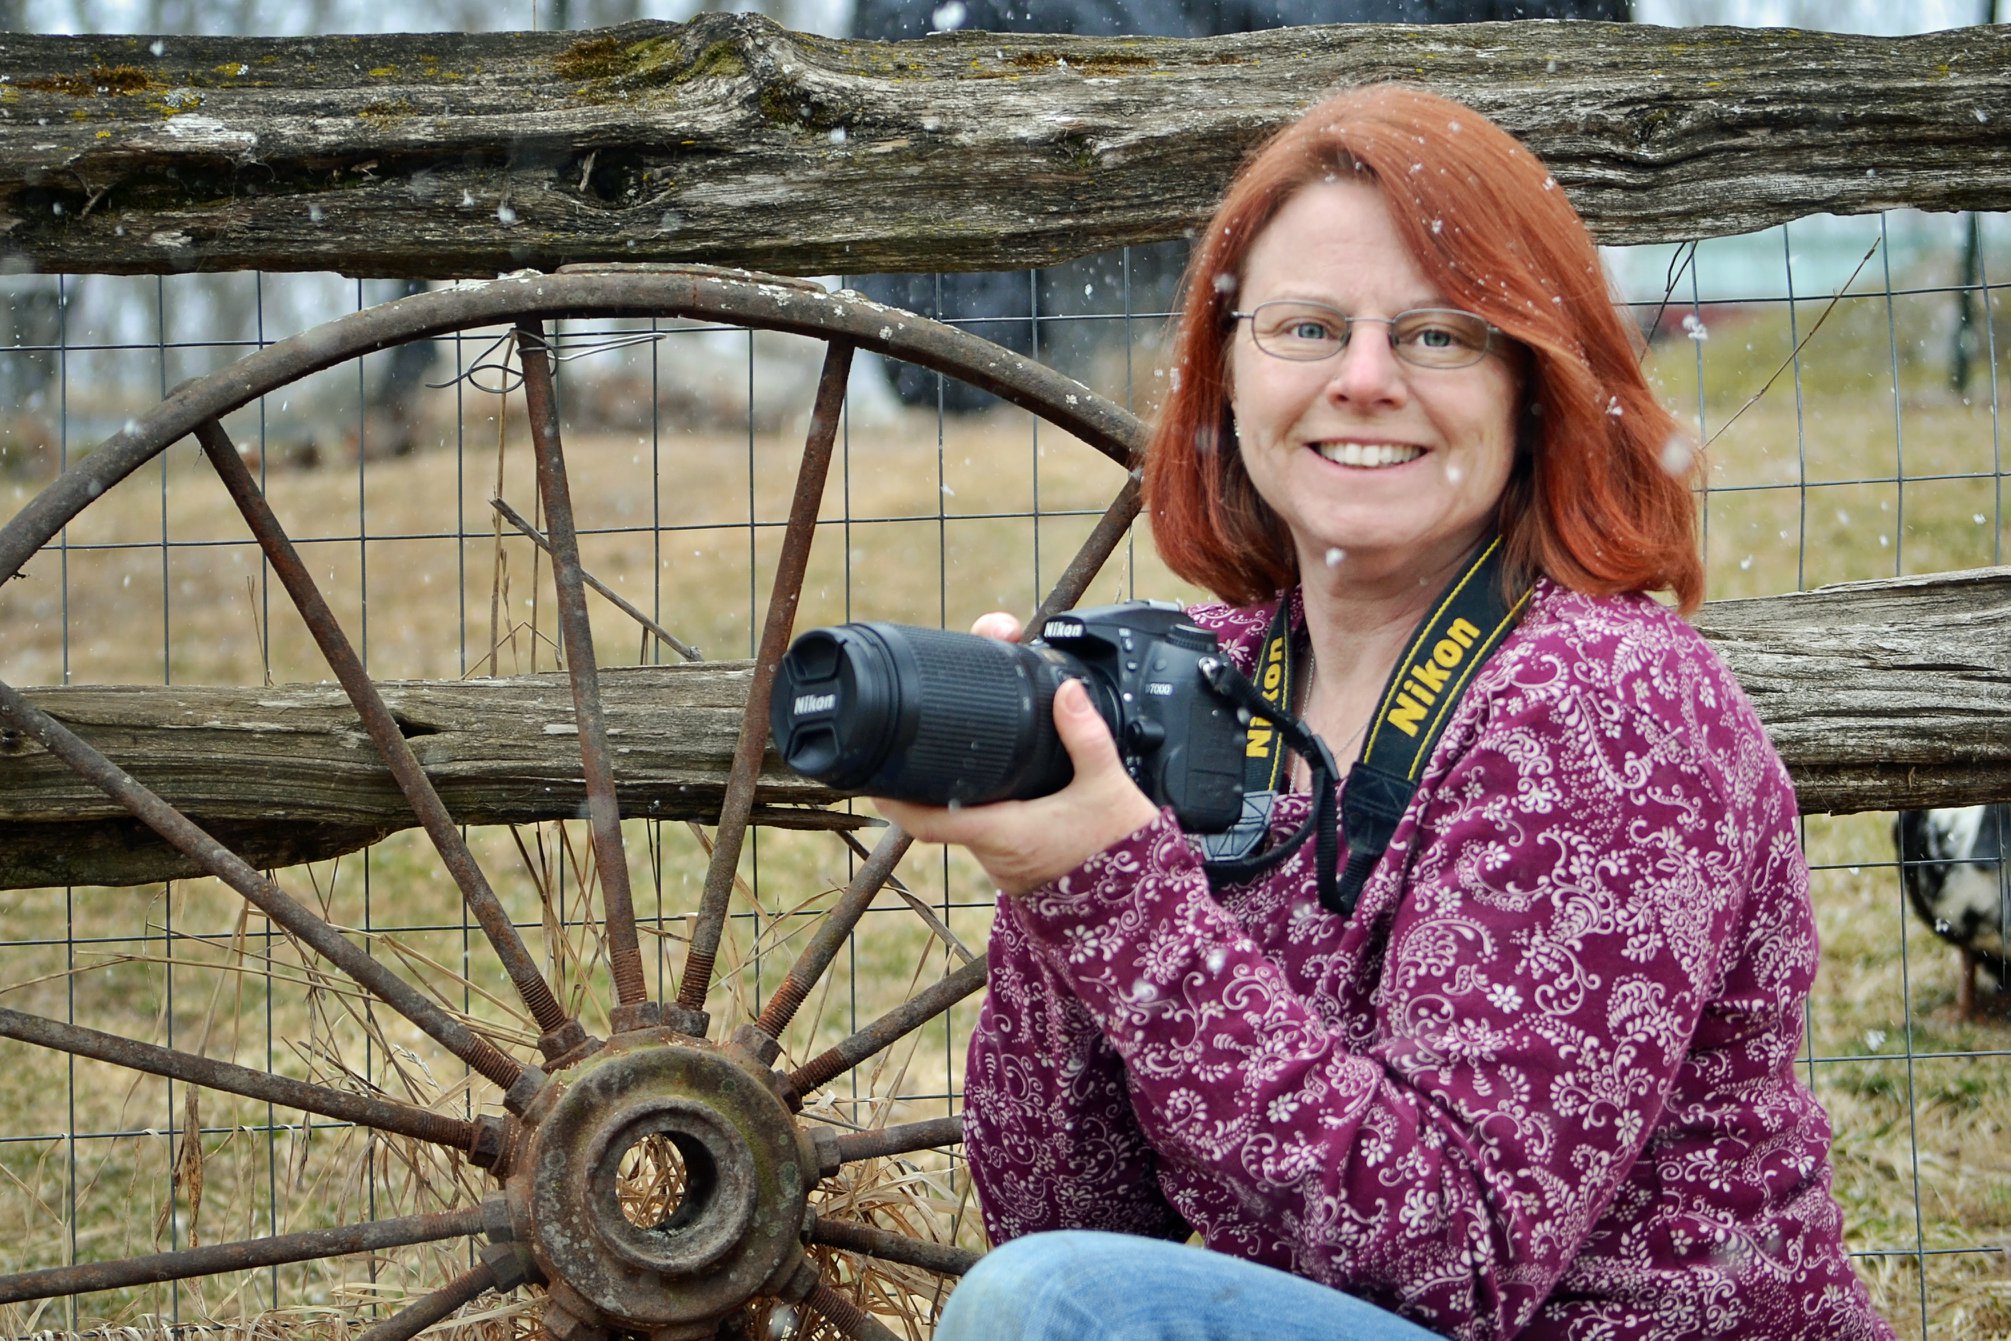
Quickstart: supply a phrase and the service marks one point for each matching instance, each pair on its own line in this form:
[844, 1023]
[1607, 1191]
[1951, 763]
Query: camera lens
[920, 714]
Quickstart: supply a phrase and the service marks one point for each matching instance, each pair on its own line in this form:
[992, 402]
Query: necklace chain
[1341, 757]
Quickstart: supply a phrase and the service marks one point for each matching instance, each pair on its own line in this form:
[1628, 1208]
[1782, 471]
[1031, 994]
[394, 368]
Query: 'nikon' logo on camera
[815, 703]
[1428, 676]
[1061, 628]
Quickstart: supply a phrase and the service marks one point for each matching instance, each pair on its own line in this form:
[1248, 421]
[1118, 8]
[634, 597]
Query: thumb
[998, 624]
[1084, 733]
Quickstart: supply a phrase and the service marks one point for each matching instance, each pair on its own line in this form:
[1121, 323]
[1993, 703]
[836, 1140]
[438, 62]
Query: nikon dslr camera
[939, 718]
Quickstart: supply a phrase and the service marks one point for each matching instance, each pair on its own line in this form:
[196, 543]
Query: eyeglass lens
[1429, 337]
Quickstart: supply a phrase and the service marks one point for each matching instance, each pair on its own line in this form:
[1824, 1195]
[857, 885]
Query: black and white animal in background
[1952, 863]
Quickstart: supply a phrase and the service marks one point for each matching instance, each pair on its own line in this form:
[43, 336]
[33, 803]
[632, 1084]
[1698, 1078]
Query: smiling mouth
[1370, 454]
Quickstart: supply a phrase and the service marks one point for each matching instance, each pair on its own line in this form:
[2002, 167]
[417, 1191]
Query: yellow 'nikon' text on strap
[1278, 666]
[1233, 853]
[1471, 618]
[1462, 631]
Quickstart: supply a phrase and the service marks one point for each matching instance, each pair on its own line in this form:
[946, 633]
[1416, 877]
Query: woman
[1538, 1081]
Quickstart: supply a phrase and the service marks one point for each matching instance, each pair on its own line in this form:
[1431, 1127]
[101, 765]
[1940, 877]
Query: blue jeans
[1086, 1285]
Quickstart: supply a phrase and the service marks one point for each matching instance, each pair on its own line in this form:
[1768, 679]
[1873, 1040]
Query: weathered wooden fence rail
[1879, 695]
[286, 774]
[731, 141]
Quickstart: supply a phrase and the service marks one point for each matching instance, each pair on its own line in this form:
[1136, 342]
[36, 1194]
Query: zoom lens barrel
[920, 714]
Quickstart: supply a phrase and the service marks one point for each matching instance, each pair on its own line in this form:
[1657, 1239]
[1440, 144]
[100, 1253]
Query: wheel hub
[724, 1219]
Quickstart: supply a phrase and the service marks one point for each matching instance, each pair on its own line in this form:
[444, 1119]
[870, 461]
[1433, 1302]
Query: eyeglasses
[1424, 337]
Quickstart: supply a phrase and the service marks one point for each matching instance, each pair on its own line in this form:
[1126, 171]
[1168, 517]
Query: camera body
[940, 718]
[1182, 743]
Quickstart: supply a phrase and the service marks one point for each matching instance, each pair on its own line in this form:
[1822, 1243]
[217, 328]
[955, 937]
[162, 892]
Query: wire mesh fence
[1848, 377]
[1855, 430]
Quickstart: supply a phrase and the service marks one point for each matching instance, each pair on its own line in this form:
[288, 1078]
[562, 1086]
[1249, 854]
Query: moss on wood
[1100, 64]
[103, 80]
[593, 58]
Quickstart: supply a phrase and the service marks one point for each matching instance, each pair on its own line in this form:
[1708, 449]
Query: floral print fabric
[1540, 1084]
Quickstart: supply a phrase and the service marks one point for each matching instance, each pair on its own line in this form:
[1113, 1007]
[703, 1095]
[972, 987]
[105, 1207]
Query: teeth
[1368, 453]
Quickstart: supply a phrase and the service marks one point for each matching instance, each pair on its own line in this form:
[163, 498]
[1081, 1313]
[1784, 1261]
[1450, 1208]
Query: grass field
[1856, 464]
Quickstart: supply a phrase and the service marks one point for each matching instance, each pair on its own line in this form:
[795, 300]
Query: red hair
[1601, 498]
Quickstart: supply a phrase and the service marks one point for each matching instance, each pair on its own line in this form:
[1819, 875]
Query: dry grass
[922, 524]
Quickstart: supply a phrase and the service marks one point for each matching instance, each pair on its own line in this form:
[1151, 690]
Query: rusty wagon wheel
[552, 1218]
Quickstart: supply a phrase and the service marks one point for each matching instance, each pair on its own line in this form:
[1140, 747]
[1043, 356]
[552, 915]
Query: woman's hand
[1025, 844]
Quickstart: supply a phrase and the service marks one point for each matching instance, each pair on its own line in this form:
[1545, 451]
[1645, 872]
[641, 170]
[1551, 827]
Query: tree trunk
[1879, 695]
[731, 141]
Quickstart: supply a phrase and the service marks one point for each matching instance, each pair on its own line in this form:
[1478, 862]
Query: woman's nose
[1367, 368]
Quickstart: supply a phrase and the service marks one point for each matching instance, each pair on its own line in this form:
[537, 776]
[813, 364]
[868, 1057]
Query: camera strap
[1237, 854]
[1464, 627]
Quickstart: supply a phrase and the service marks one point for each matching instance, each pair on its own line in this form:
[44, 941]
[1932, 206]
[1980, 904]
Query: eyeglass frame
[1389, 325]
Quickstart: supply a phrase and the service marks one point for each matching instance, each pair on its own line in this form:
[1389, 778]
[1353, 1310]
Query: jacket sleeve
[1557, 916]
[1048, 1126]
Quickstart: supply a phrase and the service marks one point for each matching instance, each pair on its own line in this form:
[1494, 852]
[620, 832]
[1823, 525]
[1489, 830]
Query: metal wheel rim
[511, 1147]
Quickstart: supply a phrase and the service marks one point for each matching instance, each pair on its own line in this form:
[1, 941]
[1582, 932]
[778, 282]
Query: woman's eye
[1433, 337]
[1306, 328]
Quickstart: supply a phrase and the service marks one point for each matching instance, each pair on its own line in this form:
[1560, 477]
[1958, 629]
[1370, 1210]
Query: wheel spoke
[390, 741]
[603, 811]
[833, 930]
[381, 1114]
[845, 1315]
[836, 1148]
[915, 903]
[838, 924]
[942, 1258]
[890, 1028]
[1104, 538]
[309, 1245]
[789, 569]
[270, 899]
[438, 1306]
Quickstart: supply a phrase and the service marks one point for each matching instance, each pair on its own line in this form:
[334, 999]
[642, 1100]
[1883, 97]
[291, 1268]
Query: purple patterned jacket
[1541, 1083]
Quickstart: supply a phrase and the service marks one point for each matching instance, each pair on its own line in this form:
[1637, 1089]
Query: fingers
[1102, 786]
[930, 824]
[1084, 733]
[998, 624]
[1025, 844]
